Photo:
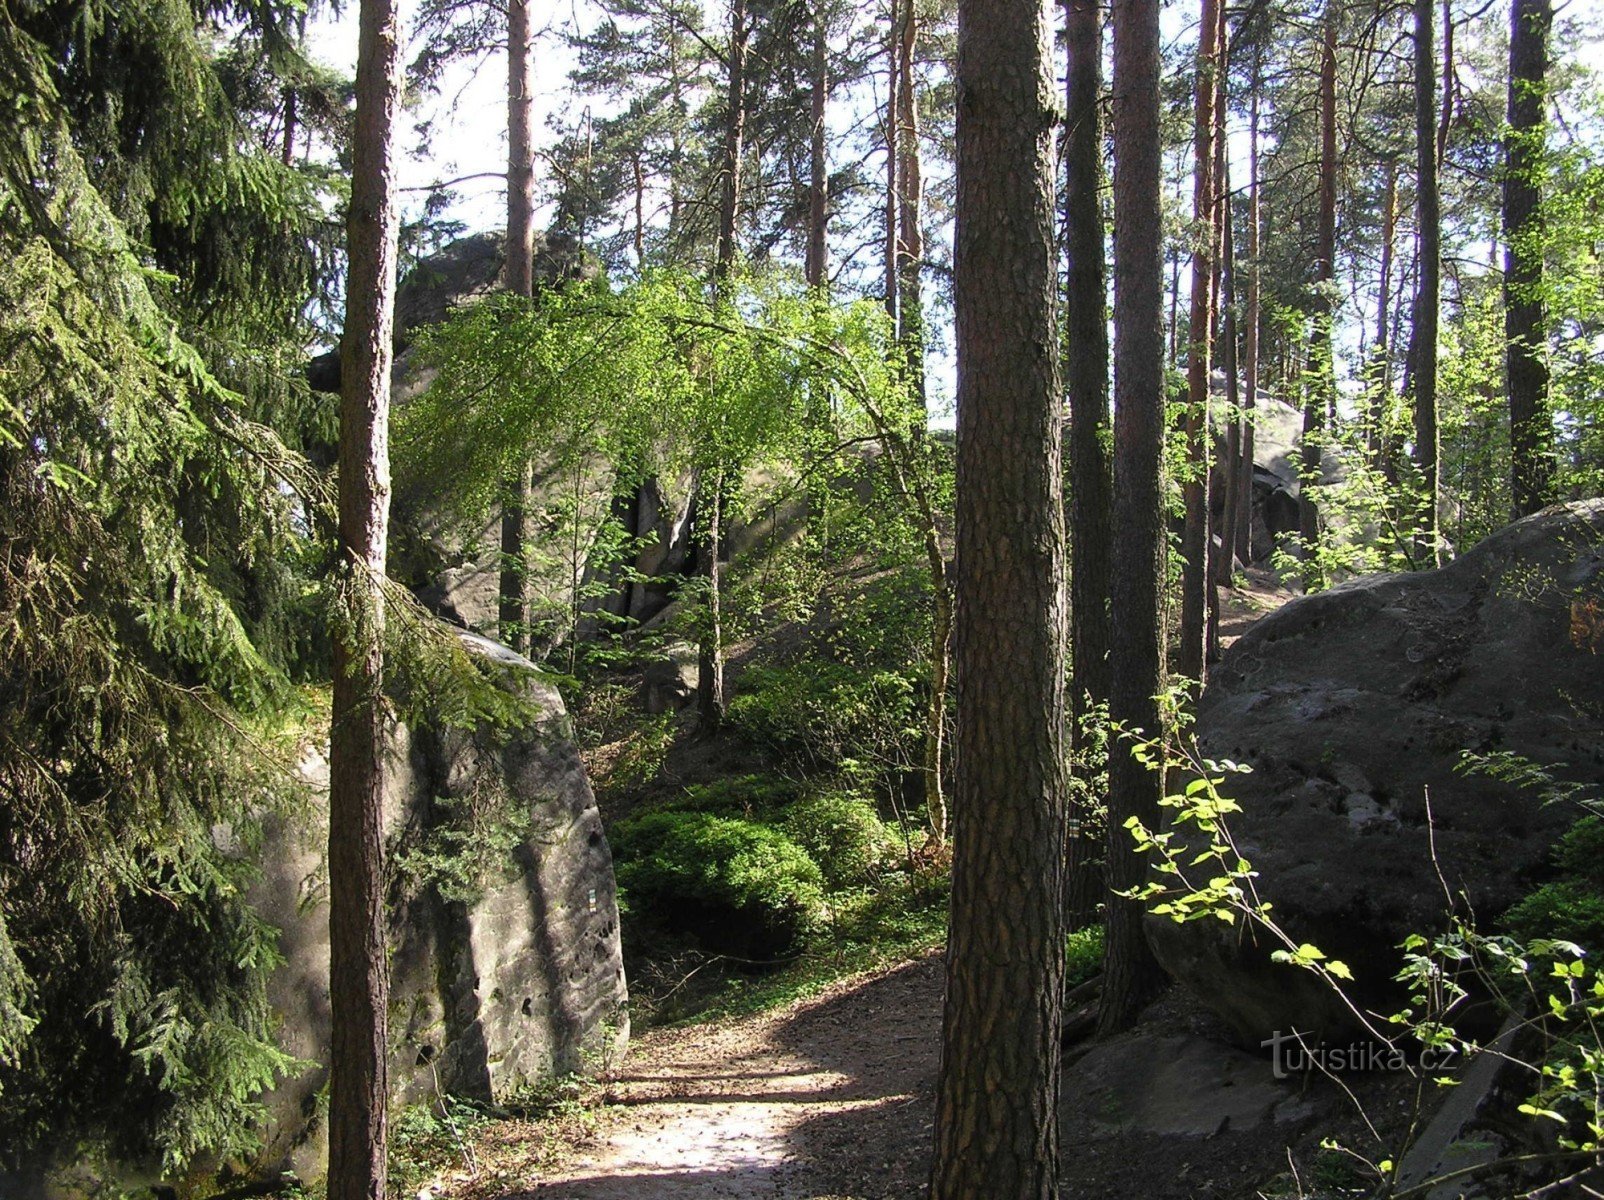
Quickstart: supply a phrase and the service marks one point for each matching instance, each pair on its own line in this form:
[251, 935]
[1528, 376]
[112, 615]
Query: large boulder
[506, 966]
[1354, 708]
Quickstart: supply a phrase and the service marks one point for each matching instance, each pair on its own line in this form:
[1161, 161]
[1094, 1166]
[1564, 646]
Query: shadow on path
[826, 1098]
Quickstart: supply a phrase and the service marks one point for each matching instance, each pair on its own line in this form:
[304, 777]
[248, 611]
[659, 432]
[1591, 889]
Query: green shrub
[842, 833]
[739, 887]
[1570, 907]
[1083, 955]
[748, 796]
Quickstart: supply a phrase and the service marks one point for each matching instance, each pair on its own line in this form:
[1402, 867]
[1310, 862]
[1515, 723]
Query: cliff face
[505, 967]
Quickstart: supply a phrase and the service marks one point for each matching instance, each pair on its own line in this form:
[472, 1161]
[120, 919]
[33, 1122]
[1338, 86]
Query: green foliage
[842, 833]
[752, 797]
[1571, 907]
[1083, 955]
[427, 1140]
[746, 885]
[154, 519]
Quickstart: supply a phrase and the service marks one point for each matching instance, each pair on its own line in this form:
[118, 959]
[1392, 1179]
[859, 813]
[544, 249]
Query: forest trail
[830, 1096]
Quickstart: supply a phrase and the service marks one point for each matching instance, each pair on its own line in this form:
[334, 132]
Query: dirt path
[830, 1097]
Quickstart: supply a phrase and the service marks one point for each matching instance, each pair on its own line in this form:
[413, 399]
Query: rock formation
[1354, 707]
[506, 967]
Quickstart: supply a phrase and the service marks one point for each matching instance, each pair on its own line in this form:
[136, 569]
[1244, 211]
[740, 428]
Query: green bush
[748, 796]
[739, 887]
[1083, 955]
[1570, 907]
[842, 833]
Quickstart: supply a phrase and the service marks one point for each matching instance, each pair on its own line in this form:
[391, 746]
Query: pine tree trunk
[710, 662]
[1091, 481]
[1195, 493]
[996, 1128]
[1320, 385]
[1423, 335]
[714, 483]
[358, 962]
[893, 163]
[817, 264]
[910, 203]
[1250, 333]
[1236, 464]
[1525, 329]
[1131, 975]
[1381, 355]
[729, 210]
[1219, 557]
[513, 613]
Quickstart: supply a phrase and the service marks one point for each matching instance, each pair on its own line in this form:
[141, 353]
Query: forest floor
[833, 1098]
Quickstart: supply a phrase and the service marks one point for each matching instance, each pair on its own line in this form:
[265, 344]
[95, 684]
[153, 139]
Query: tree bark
[358, 963]
[1195, 492]
[1236, 465]
[1525, 326]
[1250, 333]
[729, 210]
[817, 262]
[910, 203]
[1381, 354]
[1218, 561]
[1091, 481]
[996, 1128]
[1320, 386]
[513, 612]
[1423, 335]
[893, 164]
[714, 482]
[710, 662]
[1131, 975]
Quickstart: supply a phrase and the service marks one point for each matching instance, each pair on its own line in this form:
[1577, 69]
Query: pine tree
[359, 964]
[997, 1095]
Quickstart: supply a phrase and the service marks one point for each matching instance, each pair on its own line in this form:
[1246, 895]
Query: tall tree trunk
[513, 612]
[1423, 336]
[1091, 480]
[729, 209]
[1320, 385]
[291, 125]
[710, 662]
[817, 263]
[893, 207]
[1525, 327]
[1219, 560]
[1131, 975]
[1250, 334]
[1236, 465]
[1445, 115]
[996, 1127]
[713, 485]
[1381, 355]
[1205, 231]
[640, 212]
[910, 204]
[359, 982]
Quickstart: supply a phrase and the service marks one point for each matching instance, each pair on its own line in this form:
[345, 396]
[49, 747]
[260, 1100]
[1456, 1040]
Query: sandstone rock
[516, 980]
[1353, 707]
[669, 683]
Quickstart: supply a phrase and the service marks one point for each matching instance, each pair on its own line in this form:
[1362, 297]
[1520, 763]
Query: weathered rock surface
[506, 966]
[1353, 707]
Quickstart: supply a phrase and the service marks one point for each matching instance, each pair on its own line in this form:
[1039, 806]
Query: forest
[959, 598]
